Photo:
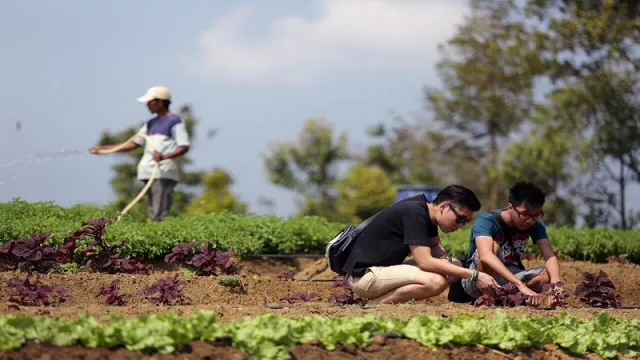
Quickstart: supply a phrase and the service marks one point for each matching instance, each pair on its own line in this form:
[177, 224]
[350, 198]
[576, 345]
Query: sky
[254, 70]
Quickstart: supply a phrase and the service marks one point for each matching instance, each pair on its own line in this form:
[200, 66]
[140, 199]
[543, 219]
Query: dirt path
[259, 277]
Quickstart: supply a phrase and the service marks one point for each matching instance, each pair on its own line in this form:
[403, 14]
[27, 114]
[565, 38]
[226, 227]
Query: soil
[262, 292]
[380, 349]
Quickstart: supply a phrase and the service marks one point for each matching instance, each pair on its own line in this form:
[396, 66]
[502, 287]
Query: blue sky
[254, 69]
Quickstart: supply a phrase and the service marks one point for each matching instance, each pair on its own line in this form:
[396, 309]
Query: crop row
[268, 335]
[253, 234]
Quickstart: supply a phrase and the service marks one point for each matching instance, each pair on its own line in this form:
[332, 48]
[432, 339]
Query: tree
[124, 183]
[488, 83]
[309, 166]
[610, 110]
[418, 154]
[546, 155]
[363, 192]
[216, 195]
[402, 153]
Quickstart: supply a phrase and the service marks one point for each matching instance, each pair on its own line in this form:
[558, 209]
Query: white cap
[156, 92]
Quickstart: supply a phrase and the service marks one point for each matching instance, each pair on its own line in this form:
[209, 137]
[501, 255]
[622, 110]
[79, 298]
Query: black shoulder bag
[339, 248]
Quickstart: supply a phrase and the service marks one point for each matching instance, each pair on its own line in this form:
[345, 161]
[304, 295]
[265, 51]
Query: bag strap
[507, 234]
[364, 224]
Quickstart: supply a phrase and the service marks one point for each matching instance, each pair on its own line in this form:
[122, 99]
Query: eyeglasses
[524, 216]
[460, 219]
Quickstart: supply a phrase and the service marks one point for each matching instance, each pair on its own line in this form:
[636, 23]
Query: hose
[156, 169]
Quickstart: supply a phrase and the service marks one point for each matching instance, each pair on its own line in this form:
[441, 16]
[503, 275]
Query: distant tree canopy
[491, 123]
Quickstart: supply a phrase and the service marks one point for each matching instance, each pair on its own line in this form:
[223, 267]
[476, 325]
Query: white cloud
[347, 35]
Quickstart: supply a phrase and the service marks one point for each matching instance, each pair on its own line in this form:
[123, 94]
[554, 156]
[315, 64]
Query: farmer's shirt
[487, 225]
[165, 133]
[385, 240]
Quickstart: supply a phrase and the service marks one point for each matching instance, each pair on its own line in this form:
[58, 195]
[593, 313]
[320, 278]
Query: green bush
[266, 234]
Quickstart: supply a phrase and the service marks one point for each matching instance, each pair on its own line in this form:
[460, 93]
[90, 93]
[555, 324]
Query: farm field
[97, 289]
[260, 277]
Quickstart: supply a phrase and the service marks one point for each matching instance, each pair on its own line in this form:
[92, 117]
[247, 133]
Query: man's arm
[426, 262]
[179, 151]
[541, 239]
[551, 263]
[130, 145]
[490, 260]
[438, 244]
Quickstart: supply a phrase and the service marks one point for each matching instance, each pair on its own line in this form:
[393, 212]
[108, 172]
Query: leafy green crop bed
[251, 235]
[267, 335]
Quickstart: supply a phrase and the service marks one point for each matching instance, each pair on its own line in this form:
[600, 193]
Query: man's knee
[432, 281]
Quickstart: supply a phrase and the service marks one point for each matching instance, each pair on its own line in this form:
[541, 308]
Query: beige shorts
[379, 280]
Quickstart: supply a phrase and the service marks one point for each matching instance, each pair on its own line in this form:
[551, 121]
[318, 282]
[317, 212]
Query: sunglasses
[460, 219]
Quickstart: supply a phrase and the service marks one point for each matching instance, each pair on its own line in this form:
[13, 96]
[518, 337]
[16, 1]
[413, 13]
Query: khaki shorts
[379, 280]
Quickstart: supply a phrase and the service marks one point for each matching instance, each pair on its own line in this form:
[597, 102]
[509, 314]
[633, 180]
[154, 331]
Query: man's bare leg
[427, 285]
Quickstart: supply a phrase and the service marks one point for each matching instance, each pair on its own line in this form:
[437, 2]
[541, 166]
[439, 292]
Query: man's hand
[532, 297]
[157, 156]
[95, 149]
[552, 299]
[486, 283]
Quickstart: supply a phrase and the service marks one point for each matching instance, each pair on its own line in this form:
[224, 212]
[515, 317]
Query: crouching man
[375, 269]
[498, 238]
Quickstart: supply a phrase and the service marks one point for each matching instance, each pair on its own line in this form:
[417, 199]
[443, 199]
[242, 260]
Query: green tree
[546, 155]
[309, 166]
[610, 110]
[488, 84]
[216, 195]
[594, 55]
[363, 192]
[124, 183]
[402, 153]
[416, 153]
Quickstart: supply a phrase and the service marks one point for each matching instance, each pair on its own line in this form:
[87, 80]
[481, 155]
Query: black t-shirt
[385, 240]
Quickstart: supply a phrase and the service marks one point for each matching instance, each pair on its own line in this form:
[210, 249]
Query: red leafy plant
[35, 293]
[206, 261]
[285, 275]
[554, 291]
[485, 300]
[111, 294]
[102, 257]
[597, 290]
[291, 299]
[168, 291]
[32, 254]
[29, 254]
[509, 295]
[506, 295]
[342, 298]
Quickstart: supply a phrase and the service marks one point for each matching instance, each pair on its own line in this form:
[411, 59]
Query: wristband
[474, 275]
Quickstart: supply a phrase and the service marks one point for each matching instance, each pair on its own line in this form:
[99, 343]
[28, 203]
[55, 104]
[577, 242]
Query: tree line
[545, 90]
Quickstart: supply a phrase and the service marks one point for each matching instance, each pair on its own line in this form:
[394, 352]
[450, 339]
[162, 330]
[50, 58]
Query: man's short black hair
[459, 195]
[528, 193]
[166, 103]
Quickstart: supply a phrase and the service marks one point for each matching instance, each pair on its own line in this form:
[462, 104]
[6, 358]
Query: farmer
[375, 269]
[498, 238]
[169, 139]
